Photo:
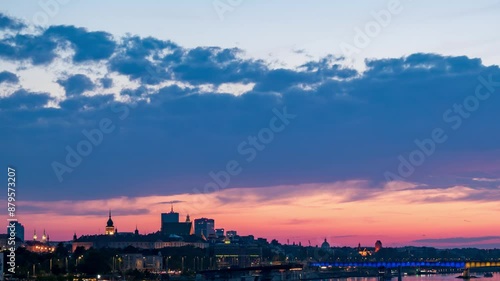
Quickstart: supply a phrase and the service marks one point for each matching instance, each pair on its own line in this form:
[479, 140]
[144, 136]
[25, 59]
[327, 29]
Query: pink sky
[346, 213]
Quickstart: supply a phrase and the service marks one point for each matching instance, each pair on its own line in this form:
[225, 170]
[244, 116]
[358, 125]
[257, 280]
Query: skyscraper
[204, 227]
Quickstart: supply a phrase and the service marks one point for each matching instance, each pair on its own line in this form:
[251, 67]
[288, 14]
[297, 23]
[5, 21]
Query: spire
[110, 221]
[34, 235]
[188, 219]
[136, 232]
[171, 207]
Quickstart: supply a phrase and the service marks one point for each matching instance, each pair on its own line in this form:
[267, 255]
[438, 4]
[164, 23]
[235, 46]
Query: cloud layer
[150, 117]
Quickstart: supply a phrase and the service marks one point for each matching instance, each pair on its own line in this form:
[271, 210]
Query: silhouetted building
[110, 228]
[169, 217]
[219, 232]
[231, 233]
[150, 241]
[325, 245]
[170, 224]
[204, 227]
[378, 246]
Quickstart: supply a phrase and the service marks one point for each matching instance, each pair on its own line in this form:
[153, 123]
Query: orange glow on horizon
[396, 214]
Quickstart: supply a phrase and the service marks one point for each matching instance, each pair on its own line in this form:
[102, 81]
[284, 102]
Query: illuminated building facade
[378, 246]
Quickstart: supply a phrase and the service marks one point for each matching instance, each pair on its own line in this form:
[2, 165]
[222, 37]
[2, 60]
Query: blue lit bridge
[469, 264]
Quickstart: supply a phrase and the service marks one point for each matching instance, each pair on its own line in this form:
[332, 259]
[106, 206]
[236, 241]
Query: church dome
[325, 245]
[110, 221]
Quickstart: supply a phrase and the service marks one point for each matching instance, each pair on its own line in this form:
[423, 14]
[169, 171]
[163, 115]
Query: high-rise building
[219, 232]
[231, 233]
[204, 227]
[170, 224]
[170, 217]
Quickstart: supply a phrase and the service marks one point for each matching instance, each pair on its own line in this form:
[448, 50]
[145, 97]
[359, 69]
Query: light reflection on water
[436, 277]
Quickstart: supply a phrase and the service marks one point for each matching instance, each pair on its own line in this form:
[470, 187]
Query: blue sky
[115, 104]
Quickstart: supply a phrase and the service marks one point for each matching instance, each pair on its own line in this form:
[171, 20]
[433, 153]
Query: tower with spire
[110, 228]
[172, 225]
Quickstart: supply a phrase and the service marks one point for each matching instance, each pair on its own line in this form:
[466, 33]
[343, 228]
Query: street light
[182, 264]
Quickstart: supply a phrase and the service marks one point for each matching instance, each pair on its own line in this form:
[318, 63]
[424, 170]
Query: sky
[355, 122]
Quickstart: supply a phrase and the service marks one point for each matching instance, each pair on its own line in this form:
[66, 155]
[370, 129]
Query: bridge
[467, 264]
[290, 271]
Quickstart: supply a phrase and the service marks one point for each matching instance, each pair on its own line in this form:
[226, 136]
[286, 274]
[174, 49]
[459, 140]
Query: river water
[434, 277]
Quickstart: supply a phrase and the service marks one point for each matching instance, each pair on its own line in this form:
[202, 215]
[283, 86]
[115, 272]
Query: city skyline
[377, 124]
[334, 240]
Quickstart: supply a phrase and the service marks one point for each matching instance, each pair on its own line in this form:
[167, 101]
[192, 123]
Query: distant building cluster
[227, 247]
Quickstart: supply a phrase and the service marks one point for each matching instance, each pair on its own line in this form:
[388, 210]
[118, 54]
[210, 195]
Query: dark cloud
[348, 125]
[22, 100]
[170, 202]
[76, 84]
[138, 92]
[98, 102]
[137, 47]
[132, 59]
[10, 23]
[216, 65]
[139, 69]
[106, 82]
[94, 45]
[37, 49]
[68, 211]
[344, 129]
[8, 77]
